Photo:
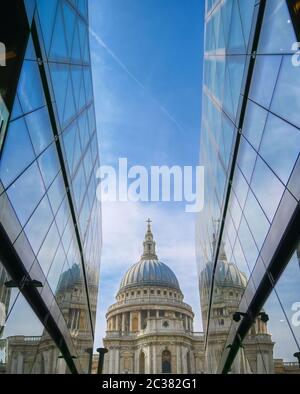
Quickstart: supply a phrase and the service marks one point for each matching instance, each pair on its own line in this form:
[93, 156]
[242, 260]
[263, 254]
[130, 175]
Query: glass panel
[59, 76]
[56, 268]
[236, 43]
[83, 130]
[77, 80]
[265, 184]
[69, 22]
[265, 74]
[30, 7]
[247, 243]
[38, 225]
[62, 216]
[254, 123]
[286, 97]
[21, 336]
[70, 108]
[40, 129]
[79, 186]
[287, 290]
[284, 343]
[276, 19]
[49, 165]
[246, 159]
[256, 219]
[48, 249]
[236, 70]
[17, 110]
[58, 50]
[47, 11]
[56, 193]
[26, 193]
[235, 210]
[240, 187]
[30, 52]
[69, 136]
[280, 146]
[30, 90]
[18, 146]
[67, 236]
[246, 11]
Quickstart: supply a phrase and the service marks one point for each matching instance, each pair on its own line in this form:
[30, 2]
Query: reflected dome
[227, 274]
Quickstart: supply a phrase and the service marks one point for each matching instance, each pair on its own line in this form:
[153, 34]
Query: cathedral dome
[149, 271]
[227, 274]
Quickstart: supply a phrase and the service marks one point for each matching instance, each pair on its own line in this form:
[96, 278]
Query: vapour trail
[125, 68]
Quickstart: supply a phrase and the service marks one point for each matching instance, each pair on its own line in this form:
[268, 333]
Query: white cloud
[124, 228]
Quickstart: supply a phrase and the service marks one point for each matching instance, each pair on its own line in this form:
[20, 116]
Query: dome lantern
[149, 245]
[149, 271]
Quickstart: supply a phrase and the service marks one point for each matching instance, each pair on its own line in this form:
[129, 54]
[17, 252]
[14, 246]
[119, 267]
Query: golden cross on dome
[149, 221]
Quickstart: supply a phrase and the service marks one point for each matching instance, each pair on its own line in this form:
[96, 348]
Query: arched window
[142, 363]
[166, 362]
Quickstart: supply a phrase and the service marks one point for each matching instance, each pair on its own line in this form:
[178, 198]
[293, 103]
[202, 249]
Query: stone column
[136, 361]
[159, 359]
[157, 314]
[184, 360]
[192, 362]
[123, 323]
[154, 361]
[139, 320]
[186, 322]
[20, 363]
[178, 358]
[130, 321]
[111, 357]
[117, 360]
[148, 360]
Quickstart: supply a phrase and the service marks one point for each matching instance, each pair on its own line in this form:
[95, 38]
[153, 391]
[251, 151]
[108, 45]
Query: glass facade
[248, 233]
[50, 219]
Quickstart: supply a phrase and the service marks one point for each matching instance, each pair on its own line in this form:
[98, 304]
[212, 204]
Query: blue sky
[147, 74]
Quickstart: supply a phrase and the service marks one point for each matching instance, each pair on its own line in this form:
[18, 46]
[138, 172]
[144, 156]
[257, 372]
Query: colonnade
[132, 321]
[182, 359]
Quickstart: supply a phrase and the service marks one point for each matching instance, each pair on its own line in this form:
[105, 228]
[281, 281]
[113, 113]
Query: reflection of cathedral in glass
[250, 150]
[39, 354]
[50, 217]
[229, 287]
